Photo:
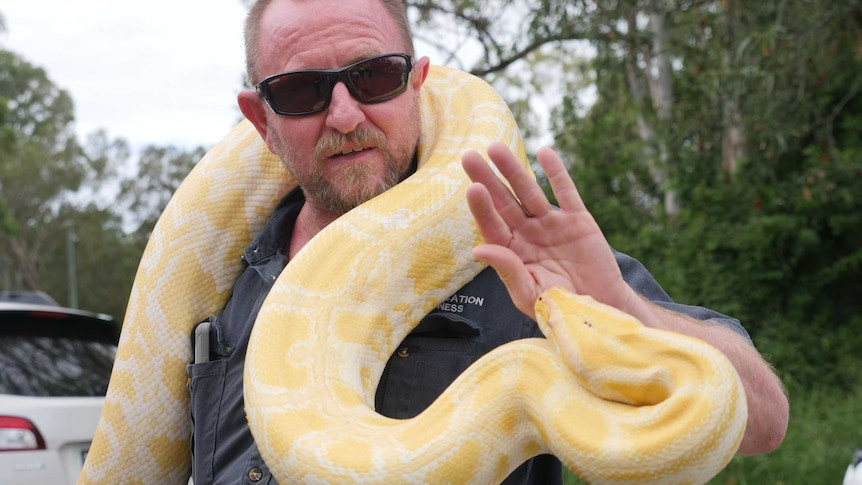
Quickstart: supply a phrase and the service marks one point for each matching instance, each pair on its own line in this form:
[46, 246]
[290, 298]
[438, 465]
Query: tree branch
[507, 61]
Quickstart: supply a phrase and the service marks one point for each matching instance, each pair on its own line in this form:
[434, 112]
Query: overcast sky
[158, 72]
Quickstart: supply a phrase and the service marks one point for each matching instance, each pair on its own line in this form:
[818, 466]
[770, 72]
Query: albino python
[615, 401]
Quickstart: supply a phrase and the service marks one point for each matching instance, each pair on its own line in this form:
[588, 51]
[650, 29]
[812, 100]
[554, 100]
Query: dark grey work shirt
[476, 319]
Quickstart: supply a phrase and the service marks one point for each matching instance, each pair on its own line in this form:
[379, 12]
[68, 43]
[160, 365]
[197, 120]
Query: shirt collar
[275, 234]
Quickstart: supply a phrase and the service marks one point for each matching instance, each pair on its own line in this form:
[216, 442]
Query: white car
[55, 364]
[853, 475]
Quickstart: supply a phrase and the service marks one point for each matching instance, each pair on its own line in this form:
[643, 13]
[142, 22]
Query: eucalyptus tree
[40, 166]
[158, 173]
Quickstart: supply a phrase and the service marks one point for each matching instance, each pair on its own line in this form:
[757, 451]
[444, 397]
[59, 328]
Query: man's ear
[254, 109]
[420, 72]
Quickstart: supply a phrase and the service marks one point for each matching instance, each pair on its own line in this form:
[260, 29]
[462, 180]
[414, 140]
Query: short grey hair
[397, 11]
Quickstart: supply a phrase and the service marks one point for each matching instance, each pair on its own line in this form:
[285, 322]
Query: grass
[825, 428]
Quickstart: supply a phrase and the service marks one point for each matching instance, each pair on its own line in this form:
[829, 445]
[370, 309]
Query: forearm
[768, 407]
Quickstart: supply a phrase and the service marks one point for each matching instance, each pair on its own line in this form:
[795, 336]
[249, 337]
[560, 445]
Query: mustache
[362, 136]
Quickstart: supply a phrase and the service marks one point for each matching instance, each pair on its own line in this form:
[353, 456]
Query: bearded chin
[358, 185]
[355, 184]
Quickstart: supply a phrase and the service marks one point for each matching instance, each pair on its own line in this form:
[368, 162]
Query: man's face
[351, 151]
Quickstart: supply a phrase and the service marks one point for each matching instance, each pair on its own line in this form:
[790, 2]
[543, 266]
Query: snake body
[617, 402]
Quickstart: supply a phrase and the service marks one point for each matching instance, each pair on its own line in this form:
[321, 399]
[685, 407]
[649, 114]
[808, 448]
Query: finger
[492, 227]
[496, 252]
[561, 182]
[504, 201]
[524, 186]
[512, 273]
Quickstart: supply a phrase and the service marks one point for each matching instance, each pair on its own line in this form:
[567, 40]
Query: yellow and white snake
[617, 402]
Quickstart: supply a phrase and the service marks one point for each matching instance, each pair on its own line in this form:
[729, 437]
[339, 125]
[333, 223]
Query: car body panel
[67, 425]
[33, 336]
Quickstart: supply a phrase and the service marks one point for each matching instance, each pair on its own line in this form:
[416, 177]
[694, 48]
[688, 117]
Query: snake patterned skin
[617, 402]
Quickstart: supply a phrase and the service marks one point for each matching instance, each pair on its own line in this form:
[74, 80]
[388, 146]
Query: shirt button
[255, 474]
[403, 352]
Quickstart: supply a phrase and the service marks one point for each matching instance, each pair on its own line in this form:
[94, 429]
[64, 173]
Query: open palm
[533, 245]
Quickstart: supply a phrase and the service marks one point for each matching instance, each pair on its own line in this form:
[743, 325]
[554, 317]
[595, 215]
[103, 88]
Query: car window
[55, 357]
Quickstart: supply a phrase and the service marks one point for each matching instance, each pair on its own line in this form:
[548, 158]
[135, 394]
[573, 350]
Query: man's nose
[345, 112]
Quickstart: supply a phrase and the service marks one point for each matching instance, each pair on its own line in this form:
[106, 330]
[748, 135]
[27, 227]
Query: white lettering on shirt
[457, 302]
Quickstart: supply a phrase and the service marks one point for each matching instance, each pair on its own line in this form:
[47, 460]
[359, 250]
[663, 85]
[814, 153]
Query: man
[345, 145]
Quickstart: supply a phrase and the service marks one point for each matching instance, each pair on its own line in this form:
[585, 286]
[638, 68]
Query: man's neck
[309, 222]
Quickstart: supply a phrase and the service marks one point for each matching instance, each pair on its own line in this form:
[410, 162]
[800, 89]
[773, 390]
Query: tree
[765, 167]
[529, 50]
[7, 142]
[159, 172]
[547, 39]
[106, 259]
[722, 147]
[51, 183]
[41, 165]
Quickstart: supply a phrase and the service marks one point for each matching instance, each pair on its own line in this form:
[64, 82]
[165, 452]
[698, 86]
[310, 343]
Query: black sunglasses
[304, 92]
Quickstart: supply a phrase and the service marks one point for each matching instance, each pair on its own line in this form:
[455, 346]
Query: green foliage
[7, 142]
[160, 170]
[40, 162]
[765, 162]
[106, 258]
[774, 239]
[819, 445]
[49, 182]
[609, 169]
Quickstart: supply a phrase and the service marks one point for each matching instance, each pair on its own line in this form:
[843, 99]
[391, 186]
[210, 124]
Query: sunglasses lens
[369, 81]
[379, 79]
[299, 92]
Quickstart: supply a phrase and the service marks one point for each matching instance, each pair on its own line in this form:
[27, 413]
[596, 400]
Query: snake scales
[617, 402]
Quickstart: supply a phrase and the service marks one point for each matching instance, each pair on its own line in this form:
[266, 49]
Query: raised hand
[533, 245]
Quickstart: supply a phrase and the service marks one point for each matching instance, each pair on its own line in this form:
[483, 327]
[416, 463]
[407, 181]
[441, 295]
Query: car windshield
[47, 355]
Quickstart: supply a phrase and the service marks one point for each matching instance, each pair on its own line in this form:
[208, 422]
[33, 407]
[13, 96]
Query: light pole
[71, 242]
[4, 268]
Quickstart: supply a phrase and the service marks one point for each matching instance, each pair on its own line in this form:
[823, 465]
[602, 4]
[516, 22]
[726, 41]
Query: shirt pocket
[436, 352]
[206, 385]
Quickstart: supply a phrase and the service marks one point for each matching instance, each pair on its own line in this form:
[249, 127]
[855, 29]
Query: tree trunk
[658, 76]
[733, 143]
[733, 147]
[23, 267]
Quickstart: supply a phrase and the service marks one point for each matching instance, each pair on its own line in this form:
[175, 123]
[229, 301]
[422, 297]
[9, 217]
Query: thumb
[513, 273]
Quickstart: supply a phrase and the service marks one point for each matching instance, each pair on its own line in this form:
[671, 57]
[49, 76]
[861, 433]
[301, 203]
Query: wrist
[644, 310]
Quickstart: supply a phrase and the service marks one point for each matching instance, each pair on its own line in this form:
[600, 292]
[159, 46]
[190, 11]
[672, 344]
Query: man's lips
[352, 150]
[352, 153]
